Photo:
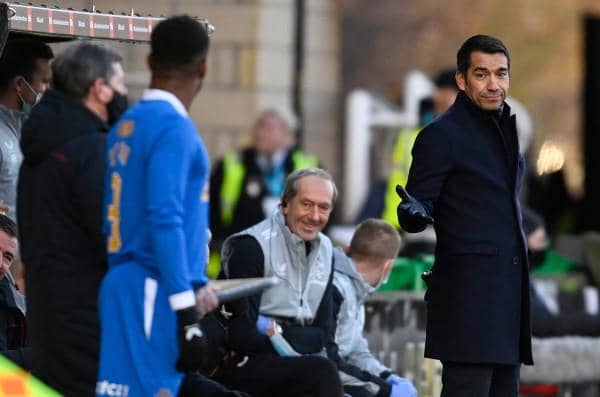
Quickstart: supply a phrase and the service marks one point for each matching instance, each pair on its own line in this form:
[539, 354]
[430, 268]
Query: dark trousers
[196, 385]
[357, 391]
[479, 380]
[270, 375]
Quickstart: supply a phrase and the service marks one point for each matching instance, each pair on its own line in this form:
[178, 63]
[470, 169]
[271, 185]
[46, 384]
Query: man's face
[40, 81]
[308, 211]
[270, 135]
[117, 81]
[8, 250]
[486, 81]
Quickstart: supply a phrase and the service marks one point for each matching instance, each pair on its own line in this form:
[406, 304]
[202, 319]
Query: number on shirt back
[114, 213]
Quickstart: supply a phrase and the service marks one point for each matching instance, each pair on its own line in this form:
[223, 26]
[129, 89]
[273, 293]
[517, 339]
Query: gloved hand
[413, 217]
[263, 323]
[404, 389]
[193, 345]
[394, 379]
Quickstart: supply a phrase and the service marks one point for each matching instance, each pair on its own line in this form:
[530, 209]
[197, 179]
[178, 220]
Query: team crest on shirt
[126, 128]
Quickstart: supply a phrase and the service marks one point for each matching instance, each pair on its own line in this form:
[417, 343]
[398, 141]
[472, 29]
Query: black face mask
[116, 107]
[536, 258]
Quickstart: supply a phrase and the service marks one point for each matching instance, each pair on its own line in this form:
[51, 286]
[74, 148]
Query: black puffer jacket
[59, 203]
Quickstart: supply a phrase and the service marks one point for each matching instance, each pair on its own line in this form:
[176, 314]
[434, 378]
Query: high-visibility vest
[401, 161]
[234, 173]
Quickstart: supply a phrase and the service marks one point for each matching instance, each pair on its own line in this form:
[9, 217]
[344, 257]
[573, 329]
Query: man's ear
[202, 68]
[100, 92]
[18, 83]
[460, 80]
[387, 267]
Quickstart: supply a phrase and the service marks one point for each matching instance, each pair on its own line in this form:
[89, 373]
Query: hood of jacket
[54, 121]
[345, 265]
[13, 119]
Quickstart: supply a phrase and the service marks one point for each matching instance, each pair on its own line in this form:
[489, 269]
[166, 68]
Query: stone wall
[250, 67]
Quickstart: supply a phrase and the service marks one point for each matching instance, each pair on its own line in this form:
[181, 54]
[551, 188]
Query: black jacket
[467, 171]
[60, 194]
[13, 330]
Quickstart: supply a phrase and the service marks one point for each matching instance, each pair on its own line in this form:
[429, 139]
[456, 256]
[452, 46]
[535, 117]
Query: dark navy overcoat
[468, 175]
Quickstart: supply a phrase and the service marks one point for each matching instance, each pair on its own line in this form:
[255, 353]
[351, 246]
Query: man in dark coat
[60, 214]
[465, 179]
[13, 330]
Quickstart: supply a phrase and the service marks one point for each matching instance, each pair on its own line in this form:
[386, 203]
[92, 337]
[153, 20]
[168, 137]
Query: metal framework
[68, 24]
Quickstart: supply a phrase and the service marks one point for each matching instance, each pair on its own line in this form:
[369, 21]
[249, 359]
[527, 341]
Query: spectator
[13, 329]
[60, 213]
[546, 323]
[287, 245]
[24, 76]
[245, 186]
[372, 252]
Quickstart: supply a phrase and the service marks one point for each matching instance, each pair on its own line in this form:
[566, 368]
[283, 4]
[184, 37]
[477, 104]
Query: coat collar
[466, 103]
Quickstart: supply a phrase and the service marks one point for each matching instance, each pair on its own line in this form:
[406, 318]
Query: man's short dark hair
[19, 59]
[481, 43]
[178, 42]
[76, 68]
[8, 226]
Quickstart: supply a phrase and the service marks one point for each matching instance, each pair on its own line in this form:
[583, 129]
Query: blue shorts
[138, 346]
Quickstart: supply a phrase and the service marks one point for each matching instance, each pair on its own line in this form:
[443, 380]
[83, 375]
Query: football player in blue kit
[156, 222]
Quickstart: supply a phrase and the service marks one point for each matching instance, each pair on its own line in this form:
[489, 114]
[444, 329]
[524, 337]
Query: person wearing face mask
[59, 212]
[372, 252]
[545, 322]
[24, 76]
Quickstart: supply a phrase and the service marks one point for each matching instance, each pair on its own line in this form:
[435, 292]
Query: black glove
[193, 342]
[411, 214]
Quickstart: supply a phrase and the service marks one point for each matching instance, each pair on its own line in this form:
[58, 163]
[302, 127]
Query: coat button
[515, 260]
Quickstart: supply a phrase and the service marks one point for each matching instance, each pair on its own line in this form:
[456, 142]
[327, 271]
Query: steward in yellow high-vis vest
[401, 160]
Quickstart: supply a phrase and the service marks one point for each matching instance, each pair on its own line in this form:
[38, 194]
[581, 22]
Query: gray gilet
[302, 279]
[11, 157]
[353, 346]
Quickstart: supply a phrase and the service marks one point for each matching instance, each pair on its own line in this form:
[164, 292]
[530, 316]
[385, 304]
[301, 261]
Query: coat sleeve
[362, 357]
[431, 165]
[89, 188]
[167, 169]
[246, 260]
[352, 373]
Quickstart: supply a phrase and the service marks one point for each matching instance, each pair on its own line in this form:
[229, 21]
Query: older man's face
[308, 211]
[8, 250]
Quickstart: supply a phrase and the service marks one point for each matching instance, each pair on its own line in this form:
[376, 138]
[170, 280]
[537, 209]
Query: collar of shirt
[154, 94]
[275, 162]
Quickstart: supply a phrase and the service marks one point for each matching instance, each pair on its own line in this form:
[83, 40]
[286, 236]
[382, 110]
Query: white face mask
[381, 282]
[27, 107]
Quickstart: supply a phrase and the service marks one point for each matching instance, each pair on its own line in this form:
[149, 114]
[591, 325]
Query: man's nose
[314, 213]
[493, 83]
